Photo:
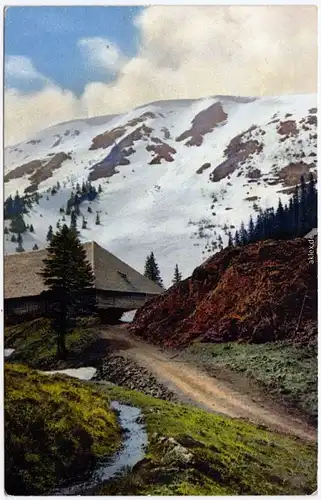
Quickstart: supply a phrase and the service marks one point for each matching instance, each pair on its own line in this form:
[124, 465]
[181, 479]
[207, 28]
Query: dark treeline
[292, 220]
[86, 192]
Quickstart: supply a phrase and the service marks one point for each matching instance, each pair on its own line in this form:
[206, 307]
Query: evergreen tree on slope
[152, 270]
[177, 276]
[70, 281]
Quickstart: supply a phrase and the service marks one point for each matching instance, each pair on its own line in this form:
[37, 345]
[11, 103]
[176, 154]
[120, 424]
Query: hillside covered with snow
[174, 174]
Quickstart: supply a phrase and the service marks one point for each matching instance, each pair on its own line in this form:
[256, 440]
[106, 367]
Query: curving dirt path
[195, 386]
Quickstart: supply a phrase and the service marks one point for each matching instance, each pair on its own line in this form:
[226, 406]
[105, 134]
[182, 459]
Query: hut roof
[111, 274]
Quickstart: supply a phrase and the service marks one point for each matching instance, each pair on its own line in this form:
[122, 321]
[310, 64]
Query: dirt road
[193, 385]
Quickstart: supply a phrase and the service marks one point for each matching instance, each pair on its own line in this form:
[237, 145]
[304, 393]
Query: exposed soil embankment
[127, 373]
[253, 293]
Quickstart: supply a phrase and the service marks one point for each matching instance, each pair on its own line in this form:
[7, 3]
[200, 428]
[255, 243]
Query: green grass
[35, 343]
[54, 428]
[287, 371]
[230, 456]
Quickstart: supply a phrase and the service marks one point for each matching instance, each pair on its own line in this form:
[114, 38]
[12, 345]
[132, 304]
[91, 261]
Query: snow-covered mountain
[181, 173]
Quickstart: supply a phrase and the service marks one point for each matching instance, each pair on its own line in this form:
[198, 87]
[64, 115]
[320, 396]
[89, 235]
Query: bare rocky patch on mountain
[254, 174]
[288, 128]
[38, 170]
[291, 174]
[108, 138]
[203, 168]
[203, 123]
[25, 169]
[241, 148]
[162, 151]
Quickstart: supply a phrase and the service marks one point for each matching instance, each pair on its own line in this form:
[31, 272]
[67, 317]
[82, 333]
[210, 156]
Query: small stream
[132, 451]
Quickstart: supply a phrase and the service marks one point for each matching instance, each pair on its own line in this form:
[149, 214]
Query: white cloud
[26, 114]
[102, 54]
[189, 53]
[20, 68]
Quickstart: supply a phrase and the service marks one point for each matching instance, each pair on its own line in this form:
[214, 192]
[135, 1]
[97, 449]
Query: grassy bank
[54, 428]
[192, 452]
[286, 371]
[35, 343]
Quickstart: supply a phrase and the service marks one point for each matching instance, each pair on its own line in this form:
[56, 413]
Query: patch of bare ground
[25, 169]
[291, 174]
[106, 139]
[254, 174]
[288, 128]
[166, 132]
[107, 168]
[240, 149]
[252, 198]
[34, 142]
[203, 123]
[38, 170]
[162, 151]
[203, 168]
[312, 120]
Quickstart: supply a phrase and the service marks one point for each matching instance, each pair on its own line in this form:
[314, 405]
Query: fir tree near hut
[70, 281]
[177, 276]
[152, 270]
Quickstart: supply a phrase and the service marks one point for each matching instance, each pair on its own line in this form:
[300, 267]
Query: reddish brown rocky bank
[252, 294]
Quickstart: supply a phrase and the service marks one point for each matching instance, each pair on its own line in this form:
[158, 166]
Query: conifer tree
[220, 242]
[230, 239]
[73, 221]
[84, 223]
[77, 209]
[17, 224]
[152, 270]
[100, 189]
[279, 226]
[31, 229]
[89, 210]
[97, 222]
[250, 231]
[6, 230]
[19, 238]
[20, 248]
[58, 224]
[177, 276]
[49, 234]
[303, 226]
[295, 215]
[70, 281]
[237, 241]
[311, 202]
[243, 235]
[13, 239]
[35, 247]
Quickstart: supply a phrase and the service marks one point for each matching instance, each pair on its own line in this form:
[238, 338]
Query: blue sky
[49, 37]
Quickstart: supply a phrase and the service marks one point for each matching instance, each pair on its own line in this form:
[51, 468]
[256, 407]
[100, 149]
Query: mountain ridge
[175, 174]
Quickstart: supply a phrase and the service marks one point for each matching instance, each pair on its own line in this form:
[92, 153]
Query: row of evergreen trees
[288, 221]
[19, 205]
[86, 192]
